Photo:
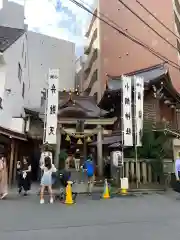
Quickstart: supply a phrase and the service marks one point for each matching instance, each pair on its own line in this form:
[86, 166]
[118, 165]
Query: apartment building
[176, 7]
[42, 52]
[109, 53]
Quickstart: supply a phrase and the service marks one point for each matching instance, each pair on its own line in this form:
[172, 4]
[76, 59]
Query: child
[46, 181]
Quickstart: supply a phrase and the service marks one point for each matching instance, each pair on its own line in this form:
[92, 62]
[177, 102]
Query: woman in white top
[46, 181]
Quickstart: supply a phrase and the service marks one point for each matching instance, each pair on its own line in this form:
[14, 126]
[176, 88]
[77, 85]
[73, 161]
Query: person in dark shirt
[77, 158]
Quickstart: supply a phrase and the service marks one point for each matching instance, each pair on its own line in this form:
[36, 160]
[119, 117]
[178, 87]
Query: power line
[142, 20]
[157, 19]
[132, 38]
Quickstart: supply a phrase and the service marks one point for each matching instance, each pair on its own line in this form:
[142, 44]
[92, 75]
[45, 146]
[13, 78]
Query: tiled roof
[148, 74]
[86, 104]
[8, 36]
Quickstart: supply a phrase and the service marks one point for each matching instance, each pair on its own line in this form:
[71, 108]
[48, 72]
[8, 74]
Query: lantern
[68, 138]
[89, 139]
[79, 141]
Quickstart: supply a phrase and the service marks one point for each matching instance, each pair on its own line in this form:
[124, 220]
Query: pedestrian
[177, 167]
[68, 161]
[3, 178]
[24, 176]
[90, 170]
[45, 153]
[77, 159]
[46, 181]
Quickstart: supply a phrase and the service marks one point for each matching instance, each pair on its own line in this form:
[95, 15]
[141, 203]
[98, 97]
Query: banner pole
[136, 154]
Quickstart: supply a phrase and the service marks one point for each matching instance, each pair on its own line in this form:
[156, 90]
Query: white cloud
[42, 15]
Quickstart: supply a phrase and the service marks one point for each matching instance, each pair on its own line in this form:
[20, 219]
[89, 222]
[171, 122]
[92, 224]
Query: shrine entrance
[81, 121]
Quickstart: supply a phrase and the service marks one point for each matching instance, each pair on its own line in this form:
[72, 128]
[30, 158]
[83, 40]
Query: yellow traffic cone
[123, 191]
[69, 199]
[106, 190]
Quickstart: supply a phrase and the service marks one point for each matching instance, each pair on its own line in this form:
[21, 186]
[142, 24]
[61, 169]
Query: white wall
[11, 14]
[46, 52]
[13, 102]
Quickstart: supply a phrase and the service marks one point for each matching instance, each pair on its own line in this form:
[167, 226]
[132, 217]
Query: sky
[58, 18]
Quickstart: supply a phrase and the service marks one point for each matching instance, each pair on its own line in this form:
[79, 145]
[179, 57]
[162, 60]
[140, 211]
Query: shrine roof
[157, 75]
[155, 78]
[150, 75]
[74, 105]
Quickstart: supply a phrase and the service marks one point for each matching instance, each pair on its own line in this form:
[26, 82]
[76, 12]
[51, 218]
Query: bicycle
[62, 191]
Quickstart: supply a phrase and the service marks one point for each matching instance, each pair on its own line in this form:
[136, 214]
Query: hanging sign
[127, 111]
[139, 105]
[52, 106]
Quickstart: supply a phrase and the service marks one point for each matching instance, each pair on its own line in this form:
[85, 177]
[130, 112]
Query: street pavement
[154, 216]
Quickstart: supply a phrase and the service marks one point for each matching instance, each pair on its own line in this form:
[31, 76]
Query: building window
[23, 89]
[19, 72]
[25, 61]
[43, 97]
[23, 51]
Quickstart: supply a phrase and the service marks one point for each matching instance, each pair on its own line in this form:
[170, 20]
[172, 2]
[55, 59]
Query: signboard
[127, 111]
[139, 106]
[117, 157]
[52, 106]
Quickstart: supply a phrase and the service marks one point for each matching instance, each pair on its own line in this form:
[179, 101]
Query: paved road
[145, 217]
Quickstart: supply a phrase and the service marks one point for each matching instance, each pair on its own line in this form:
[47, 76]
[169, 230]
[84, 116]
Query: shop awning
[12, 134]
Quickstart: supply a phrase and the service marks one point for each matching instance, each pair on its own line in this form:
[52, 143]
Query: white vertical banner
[52, 106]
[139, 106]
[127, 111]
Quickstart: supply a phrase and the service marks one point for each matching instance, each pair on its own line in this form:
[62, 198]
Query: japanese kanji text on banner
[139, 105]
[127, 111]
[52, 106]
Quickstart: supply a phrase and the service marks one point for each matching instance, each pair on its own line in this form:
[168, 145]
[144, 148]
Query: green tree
[154, 143]
[156, 146]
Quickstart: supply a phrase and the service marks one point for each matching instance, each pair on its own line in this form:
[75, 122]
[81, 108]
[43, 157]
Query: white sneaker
[4, 195]
[51, 200]
[42, 201]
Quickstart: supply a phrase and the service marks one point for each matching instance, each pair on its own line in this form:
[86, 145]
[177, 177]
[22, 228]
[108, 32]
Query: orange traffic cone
[69, 199]
[106, 190]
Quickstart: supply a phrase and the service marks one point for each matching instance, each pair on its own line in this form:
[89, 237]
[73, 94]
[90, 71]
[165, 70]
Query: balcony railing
[89, 63]
[88, 78]
[177, 5]
[90, 42]
[177, 22]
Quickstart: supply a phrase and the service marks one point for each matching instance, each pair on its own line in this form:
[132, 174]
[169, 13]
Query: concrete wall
[11, 14]
[43, 53]
[11, 86]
